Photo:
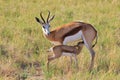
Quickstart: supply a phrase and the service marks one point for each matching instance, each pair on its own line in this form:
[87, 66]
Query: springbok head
[45, 24]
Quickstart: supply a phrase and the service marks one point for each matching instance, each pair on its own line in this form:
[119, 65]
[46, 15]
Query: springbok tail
[95, 41]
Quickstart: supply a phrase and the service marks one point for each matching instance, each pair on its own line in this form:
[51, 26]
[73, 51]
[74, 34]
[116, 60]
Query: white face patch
[45, 29]
[72, 38]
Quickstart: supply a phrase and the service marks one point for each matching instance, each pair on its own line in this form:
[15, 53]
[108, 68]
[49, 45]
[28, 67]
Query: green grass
[22, 43]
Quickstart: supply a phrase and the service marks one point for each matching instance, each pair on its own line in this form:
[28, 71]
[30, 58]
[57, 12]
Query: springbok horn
[42, 17]
[48, 16]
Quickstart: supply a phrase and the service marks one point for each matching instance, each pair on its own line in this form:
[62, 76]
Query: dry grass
[23, 47]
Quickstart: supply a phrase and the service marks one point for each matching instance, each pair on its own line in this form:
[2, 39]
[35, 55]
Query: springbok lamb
[64, 50]
[69, 33]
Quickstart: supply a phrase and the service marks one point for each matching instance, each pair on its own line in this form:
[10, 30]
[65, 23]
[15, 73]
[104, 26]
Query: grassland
[23, 48]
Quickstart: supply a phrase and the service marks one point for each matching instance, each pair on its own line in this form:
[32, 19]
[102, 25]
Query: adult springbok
[70, 32]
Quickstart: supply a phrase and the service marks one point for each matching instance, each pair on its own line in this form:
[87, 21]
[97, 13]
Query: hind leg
[92, 53]
[88, 43]
[92, 58]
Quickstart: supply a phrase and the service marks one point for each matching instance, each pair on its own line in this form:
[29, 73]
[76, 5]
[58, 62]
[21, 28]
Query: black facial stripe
[44, 27]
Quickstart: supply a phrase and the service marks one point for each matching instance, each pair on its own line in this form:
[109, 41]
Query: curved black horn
[48, 16]
[42, 17]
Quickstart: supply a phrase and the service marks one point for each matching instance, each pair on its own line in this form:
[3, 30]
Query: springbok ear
[51, 18]
[38, 20]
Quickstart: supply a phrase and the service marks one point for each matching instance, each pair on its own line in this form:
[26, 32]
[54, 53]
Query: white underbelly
[72, 38]
[67, 54]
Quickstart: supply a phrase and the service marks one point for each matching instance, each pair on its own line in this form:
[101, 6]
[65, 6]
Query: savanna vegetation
[23, 54]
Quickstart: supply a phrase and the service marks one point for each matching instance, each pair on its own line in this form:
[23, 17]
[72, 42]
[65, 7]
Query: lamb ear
[38, 20]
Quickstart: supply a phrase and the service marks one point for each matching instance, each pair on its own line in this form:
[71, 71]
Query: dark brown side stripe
[67, 51]
[72, 32]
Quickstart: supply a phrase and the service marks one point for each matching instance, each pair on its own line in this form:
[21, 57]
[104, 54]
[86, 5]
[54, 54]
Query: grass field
[23, 47]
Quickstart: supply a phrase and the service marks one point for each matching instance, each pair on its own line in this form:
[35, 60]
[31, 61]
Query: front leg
[50, 58]
[71, 60]
[70, 65]
[76, 62]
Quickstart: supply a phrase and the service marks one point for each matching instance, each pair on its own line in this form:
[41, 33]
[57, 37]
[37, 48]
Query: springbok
[64, 50]
[70, 32]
